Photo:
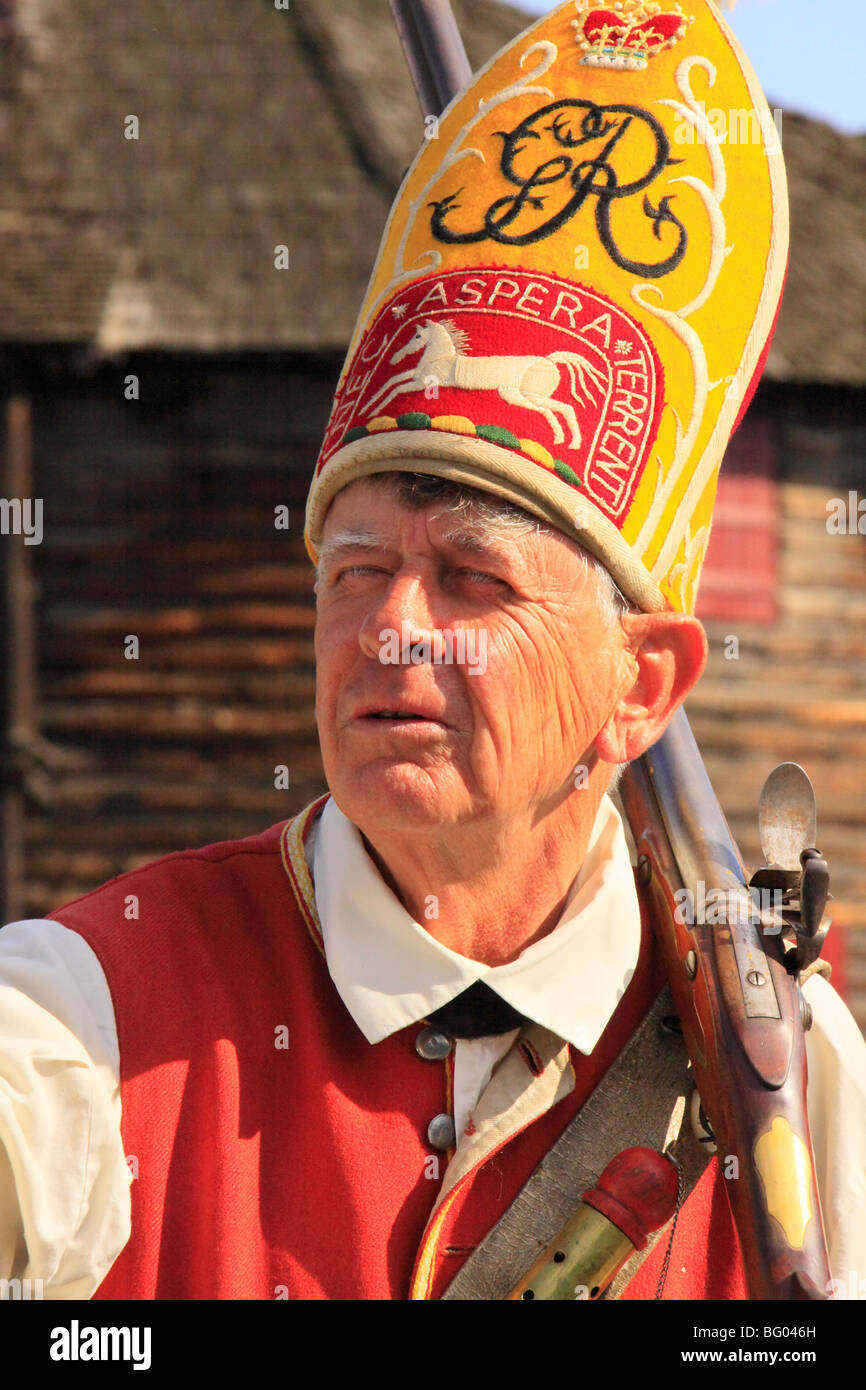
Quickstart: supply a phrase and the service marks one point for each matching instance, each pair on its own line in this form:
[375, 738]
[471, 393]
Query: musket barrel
[434, 51]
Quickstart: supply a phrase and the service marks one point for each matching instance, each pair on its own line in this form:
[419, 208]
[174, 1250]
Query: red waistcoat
[305, 1171]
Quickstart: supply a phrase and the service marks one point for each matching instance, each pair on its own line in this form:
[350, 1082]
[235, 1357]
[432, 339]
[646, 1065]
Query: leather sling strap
[640, 1100]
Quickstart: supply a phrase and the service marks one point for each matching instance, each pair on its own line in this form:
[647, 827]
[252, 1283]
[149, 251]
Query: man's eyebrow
[467, 538]
[357, 538]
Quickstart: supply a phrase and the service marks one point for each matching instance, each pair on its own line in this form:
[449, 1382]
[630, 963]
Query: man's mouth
[398, 715]
[395, 714]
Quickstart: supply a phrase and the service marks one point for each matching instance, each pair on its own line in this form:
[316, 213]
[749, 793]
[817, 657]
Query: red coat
[267, 1171]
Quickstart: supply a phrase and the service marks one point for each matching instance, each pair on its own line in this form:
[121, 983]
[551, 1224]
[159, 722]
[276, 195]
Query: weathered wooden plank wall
[160, 525]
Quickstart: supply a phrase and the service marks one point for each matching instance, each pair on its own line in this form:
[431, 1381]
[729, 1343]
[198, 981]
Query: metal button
[432, 1045]
[440, 1132]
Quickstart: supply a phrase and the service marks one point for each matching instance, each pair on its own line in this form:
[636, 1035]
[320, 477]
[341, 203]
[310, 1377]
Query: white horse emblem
[526, 381]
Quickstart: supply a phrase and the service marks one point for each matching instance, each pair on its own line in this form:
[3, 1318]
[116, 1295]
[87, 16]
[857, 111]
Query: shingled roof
[821, 335]
[261, 127]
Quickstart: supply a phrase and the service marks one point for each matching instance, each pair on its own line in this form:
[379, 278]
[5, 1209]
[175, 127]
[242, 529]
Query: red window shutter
[739, 579]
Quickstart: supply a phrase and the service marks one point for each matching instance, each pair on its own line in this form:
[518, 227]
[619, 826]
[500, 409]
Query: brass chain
[667, 1259]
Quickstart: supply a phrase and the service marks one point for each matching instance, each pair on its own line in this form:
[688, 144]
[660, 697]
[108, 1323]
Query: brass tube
[579, 1263]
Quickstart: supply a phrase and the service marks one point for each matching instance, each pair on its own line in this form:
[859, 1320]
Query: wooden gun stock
[740, 1010]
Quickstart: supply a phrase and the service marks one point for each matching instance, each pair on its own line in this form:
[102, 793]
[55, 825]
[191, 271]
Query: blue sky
[808, 57]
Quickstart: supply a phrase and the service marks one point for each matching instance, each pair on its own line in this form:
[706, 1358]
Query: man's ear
[668, 652]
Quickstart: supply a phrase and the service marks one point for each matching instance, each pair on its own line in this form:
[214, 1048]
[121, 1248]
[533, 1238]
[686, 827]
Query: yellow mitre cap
[576, 287]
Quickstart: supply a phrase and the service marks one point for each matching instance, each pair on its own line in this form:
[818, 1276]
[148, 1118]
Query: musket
[734, 972]
[734, 961]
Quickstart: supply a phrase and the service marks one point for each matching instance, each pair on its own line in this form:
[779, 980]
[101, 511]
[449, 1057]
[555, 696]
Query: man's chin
[392, 795]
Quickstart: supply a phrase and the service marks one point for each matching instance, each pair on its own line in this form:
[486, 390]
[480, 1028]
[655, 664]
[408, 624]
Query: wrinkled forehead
[375, 511]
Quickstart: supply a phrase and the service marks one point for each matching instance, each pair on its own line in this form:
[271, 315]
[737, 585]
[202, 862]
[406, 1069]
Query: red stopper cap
[637, 1192]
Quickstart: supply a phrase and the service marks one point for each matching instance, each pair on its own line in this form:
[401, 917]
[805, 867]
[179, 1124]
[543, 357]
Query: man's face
[530, 672]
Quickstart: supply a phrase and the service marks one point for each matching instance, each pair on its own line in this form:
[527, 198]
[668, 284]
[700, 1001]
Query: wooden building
[166, 387]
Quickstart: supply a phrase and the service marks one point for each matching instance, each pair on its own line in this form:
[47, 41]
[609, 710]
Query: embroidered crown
[627, 33]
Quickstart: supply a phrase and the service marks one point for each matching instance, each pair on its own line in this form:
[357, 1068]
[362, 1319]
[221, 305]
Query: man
[321, 1062]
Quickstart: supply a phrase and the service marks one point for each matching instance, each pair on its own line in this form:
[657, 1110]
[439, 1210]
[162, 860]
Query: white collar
[390, 972]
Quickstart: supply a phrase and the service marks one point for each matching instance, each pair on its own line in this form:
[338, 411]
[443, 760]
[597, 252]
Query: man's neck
[486, 891]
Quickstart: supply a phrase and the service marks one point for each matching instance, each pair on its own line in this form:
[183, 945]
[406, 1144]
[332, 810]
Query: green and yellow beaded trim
[459, 424]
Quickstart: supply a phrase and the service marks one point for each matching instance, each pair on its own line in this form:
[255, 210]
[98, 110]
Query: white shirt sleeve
[64, 1181]
[836, 1100]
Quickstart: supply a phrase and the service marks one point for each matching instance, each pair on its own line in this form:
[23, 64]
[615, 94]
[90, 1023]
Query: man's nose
[399, 619]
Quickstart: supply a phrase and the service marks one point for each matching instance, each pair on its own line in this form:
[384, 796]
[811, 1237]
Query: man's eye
[352, 571]
[481, 577]
[366, 571]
